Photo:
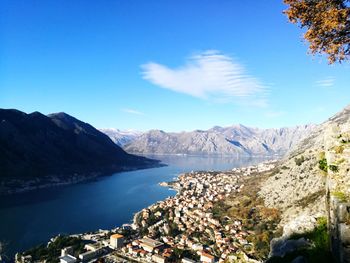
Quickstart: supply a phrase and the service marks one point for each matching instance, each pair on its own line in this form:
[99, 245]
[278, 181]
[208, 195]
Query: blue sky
[161, 64]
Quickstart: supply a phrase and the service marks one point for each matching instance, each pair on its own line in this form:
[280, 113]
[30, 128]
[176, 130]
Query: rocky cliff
[312, 183]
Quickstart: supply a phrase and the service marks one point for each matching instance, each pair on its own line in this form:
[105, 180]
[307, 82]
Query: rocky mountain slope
[121, 137]
[298, 186]
[34, 145]
[312, 182]
[234, 140]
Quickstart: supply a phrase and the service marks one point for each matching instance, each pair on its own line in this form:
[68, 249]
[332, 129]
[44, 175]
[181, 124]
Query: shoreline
[171, 185]
[51, 181]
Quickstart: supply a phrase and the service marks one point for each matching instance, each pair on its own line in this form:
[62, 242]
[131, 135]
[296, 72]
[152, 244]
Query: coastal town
[188, 227]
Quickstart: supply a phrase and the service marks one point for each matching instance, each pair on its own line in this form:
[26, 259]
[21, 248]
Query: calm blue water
[32, 218]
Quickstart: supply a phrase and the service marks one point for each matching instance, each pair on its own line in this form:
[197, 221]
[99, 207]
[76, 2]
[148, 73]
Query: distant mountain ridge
[233, 140]
[121, 137]
[36, 145]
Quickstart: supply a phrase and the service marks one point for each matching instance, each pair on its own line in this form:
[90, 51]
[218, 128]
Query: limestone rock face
[299, 187]
[299, 225]
[233, 140]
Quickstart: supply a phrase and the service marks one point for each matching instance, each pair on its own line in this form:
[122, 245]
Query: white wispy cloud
[326, 82]
[208, 75]
[132, 111]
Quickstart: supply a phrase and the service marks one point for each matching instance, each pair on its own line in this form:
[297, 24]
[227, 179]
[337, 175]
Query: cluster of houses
[209, 237]
[191, 210]
[152, 250]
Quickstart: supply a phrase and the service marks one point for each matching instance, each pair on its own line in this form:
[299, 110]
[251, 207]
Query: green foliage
[333, 168]
[53, 250]
[317, 253]
[178, 254]
[342, 197]
[152, 219]
[219, 209]
[174, 231]
[127, 232]
[322, 164]
[299, 161]
[138, 219]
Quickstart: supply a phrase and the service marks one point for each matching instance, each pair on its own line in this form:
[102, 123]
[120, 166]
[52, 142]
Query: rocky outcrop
[313, 182]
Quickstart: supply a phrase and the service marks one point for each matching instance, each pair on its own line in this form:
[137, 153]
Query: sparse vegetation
[345, 138]
[317, 253]
[219, 209]
[300, 160]
[178, 254]
[310, 199]
[260, 221]
[51, 252]
[274, 171]
[338, 149]
[322, 164]
[340, 161]
[341, 196]
[333, 168]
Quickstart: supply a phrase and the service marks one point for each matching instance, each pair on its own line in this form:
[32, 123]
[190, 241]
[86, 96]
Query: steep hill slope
[121, 137]
[34, 145]
[312, 184]
[299, 186]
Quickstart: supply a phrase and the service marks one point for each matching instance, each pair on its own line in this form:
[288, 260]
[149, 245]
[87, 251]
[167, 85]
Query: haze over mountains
[121, 137]
[233, 140]
[57, 144]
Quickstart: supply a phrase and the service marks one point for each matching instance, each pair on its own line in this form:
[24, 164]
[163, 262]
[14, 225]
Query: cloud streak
[132, 111]
[208, 75]
[326, 83]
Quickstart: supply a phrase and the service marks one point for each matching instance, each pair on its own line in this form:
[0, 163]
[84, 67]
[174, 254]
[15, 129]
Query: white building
[66, 251]
[158, 259]
[207, 258]
[67, 259]
[87, 255]
[117, 241]
[149, 244]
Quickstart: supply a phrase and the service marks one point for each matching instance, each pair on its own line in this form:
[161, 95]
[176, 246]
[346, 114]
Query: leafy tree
[327, 24]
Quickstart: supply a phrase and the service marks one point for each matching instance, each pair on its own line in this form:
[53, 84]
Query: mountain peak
[57, 144]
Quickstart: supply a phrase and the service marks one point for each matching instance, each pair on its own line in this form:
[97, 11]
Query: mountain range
[234, 140]
[121, 137]
[36, 145]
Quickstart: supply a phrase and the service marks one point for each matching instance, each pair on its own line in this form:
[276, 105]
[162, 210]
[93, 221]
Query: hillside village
[189, 227]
